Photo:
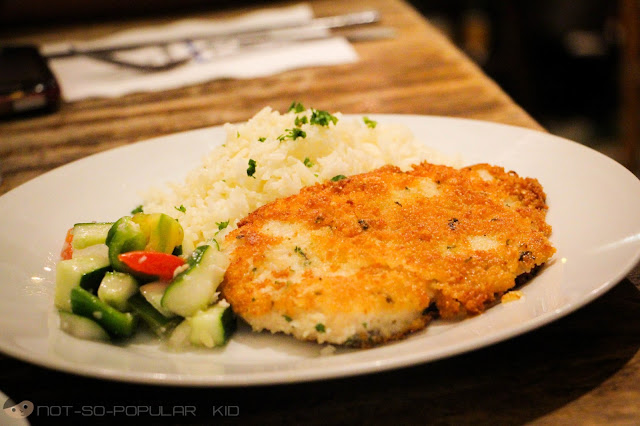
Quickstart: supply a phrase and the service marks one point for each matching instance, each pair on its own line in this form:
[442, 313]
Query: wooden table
[584, 368]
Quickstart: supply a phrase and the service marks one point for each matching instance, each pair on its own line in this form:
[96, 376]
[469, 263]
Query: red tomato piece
[162, 265]
[67, 249]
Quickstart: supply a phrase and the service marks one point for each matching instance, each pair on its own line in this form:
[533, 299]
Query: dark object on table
[26, 83]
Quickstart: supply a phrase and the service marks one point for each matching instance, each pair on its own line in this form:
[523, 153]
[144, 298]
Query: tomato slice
[67, 250]
[161, 265]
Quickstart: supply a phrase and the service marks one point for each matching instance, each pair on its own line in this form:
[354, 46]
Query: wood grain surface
[582, 369]
[418, 72]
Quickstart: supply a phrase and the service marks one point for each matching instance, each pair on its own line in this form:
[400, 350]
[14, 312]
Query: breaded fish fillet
[375, 256]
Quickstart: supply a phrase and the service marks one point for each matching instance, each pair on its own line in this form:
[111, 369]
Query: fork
[229, 43]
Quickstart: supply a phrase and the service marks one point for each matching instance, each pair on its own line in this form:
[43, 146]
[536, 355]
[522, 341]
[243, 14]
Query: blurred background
[571, 64]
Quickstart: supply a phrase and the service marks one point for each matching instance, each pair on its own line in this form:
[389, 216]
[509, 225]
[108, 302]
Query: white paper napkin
[83, 77]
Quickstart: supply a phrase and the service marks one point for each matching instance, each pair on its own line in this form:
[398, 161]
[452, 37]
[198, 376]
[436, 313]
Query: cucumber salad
[115, 278]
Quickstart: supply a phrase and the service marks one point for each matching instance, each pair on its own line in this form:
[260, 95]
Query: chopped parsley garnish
[320, 328]
[216, 243]
[337, 178]
[297, 133]
[137, 209]
[300, 252]
[293, 134]
[322, 118]
[303, 255]
[287, 318]
[222, 225]
[262, 139]
[301, 120]
[182, 208]
[296, 107]
[370, 123]
[308, 162]
[252, 168]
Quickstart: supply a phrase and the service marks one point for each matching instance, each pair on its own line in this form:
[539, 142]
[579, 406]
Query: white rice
[220, 190]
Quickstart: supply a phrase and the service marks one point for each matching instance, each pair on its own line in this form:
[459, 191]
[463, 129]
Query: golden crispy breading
[370, 258]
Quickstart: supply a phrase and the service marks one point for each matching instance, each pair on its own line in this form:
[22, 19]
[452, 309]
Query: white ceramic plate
[594, 210]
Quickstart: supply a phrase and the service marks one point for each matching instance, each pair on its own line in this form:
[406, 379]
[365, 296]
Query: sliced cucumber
[116, 288]
[153, 292]
[157, 322]
[195, 288]
[96, 250]
[212, 327]
[179, 338]
[116, 323]
[86, 272]
[89, 234]
[82, 327]
[123, 236]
